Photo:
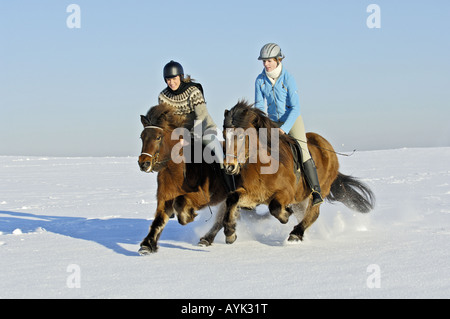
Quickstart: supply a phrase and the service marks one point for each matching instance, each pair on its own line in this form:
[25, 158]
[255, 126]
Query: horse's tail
[352, 193]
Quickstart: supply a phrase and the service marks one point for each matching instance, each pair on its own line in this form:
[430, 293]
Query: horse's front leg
[208, 238]
[280, 211]
[184, 210]
[231, 214]
[150, 243]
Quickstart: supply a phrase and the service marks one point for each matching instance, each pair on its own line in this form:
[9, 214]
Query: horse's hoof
[230, 239]
[146, 250]
[294, 238]
[203, 242]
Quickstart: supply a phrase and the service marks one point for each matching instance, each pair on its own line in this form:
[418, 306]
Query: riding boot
[313, 181]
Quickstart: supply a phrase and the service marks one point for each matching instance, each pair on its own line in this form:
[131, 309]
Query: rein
[326, 149]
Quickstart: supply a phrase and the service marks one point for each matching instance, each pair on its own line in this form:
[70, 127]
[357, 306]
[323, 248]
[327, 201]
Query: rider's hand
[183, 142]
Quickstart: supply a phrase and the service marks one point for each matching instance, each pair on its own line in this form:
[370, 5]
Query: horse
[281, 189]
[183, 187]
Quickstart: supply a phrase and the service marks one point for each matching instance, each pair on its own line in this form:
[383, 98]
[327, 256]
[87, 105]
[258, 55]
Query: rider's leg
[309, 168]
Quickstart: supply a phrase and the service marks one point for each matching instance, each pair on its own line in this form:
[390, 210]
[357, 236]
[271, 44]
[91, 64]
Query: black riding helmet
[172, 69]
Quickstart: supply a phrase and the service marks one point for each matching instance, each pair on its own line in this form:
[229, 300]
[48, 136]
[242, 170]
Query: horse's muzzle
[146, 166]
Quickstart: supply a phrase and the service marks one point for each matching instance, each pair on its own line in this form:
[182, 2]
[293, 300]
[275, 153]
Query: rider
[187, 98]
[279, 89]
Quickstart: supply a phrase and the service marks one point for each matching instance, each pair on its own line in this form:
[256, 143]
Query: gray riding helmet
[269, 51]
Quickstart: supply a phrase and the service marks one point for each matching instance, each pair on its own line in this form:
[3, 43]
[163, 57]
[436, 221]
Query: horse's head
[158, 124]
[249, 135]
[240, 136]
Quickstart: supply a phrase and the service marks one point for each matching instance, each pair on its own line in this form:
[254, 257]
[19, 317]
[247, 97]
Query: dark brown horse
[268, 175]
[183, 188]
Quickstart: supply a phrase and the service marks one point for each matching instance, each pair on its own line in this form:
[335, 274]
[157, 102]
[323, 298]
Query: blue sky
[79, 92]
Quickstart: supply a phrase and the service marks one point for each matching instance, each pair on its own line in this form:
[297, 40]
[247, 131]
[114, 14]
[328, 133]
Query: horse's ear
[164, 116]
[226, 112]
[144, 120]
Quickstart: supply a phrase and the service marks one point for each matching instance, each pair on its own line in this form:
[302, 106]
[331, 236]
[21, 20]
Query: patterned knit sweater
[191, 104]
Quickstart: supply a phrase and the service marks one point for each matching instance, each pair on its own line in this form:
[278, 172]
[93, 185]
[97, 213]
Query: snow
[71, 228]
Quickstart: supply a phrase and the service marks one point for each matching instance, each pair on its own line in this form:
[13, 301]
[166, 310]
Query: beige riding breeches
[298, 132]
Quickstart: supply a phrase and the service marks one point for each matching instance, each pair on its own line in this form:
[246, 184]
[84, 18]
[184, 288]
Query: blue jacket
[283, 103]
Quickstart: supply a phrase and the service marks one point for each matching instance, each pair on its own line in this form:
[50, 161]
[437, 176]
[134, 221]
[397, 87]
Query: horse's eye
[158, 138]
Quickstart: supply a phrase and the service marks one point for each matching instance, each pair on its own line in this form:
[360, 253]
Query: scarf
[274, 74]
[184, 86]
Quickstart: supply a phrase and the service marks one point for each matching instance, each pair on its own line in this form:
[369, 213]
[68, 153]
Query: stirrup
[317, 198]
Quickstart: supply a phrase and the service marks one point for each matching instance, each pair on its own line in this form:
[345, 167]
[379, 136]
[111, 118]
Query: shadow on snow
[109, 233]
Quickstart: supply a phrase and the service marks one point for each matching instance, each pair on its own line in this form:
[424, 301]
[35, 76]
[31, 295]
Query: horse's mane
[245, 115]
[164, 116]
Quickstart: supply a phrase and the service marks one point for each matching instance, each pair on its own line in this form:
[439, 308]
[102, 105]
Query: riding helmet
[172, 69]
[269, 51]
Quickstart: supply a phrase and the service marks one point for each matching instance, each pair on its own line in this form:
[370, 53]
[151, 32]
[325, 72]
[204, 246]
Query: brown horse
[279, 188]
[183, 188]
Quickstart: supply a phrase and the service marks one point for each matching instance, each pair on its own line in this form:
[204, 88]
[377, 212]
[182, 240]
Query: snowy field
[71, 228]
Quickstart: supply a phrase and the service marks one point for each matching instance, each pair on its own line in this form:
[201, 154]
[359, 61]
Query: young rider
[279, 89]
[187, 98]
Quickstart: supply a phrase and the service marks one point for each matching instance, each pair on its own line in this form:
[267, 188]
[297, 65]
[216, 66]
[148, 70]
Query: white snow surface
[71, 228]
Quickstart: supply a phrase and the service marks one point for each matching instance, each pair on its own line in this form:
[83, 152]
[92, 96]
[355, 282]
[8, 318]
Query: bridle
[239, 162]
[155, 158]
[150, 155]
[153, 126]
